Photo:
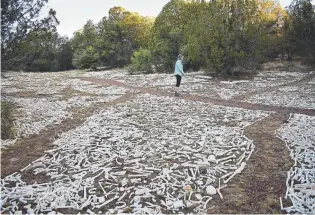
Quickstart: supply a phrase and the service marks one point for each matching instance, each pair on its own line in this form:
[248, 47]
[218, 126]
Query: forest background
[222, 37]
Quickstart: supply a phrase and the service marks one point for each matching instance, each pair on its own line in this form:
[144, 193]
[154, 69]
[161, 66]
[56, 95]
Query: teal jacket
[179, 68]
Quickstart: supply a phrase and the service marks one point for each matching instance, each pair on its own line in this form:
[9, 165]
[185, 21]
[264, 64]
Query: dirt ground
[259, 191]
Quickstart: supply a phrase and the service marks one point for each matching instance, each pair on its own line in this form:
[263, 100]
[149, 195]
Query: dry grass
[69, 92]
[7, 118]
[25, 94]
[284, 65]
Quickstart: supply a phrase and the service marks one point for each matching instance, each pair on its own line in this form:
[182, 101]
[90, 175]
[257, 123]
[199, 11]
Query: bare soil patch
[69, 92]
[258, 188]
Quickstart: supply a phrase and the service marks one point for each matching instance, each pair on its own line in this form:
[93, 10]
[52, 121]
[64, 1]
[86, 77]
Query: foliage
[112, 41]
[85, 59]
[18, 19]
[221, 36]
[141, 61]
[299, 30]
[84, 45]
[7, 118]
[44, 51]
[167, 36]
[225, 35]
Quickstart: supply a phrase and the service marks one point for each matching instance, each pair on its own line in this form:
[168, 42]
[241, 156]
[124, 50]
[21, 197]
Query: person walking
[179, 72]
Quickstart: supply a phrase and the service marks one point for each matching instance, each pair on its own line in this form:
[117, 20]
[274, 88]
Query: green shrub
[7, 118]
[141, 62]
[85, 59]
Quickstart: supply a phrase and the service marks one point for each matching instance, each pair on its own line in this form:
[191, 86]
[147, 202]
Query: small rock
[218, 139]
[198, 196]
[189, 204]
[211, 158]
[166, 171]
[14, 159]
[89, 211]
[200, 183]
[169, 203]
[141, 192]
[124, 182]
[101, 199]
[178, 204]
[211, 190]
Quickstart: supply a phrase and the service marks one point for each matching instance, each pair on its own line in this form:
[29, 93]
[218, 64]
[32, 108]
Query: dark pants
[178, 80]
